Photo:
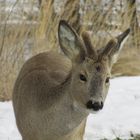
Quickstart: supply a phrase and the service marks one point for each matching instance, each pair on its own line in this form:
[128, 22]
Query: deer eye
[98, 68]
[83, 78]
[107, 80]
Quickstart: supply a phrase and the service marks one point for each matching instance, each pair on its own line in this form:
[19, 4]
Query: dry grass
[19, 41]
[14, 38]
[128, 63]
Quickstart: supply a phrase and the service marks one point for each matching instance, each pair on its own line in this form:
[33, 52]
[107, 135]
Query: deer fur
[54, 93]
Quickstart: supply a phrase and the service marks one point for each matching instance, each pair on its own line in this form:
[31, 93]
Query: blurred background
[28, 27]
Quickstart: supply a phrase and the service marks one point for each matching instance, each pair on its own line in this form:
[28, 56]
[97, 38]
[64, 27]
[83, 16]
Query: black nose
[95, 106]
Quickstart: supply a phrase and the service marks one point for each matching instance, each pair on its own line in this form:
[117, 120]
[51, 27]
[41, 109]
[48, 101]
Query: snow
[121, 114]
[8, 130]
[119, 118]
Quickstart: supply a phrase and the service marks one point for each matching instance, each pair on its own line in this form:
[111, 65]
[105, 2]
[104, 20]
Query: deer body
[53, 96]
[40, 78]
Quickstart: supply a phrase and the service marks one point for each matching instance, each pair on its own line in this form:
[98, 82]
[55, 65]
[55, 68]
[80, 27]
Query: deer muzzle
[95, 106]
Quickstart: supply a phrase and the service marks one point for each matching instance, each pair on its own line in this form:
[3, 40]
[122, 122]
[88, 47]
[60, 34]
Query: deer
[55, 92]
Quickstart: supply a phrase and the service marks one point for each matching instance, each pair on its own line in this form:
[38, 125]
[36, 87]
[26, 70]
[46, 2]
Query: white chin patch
[92, 111]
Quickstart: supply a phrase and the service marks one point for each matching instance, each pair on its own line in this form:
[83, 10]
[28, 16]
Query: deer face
[91, 69]
[90, 83]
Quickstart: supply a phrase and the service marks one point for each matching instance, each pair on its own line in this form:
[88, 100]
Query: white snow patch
[120, 116]
[8, 129]
[121, 113]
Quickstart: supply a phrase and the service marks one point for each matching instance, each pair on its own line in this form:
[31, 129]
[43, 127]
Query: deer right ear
[112, 49]
[70, 42]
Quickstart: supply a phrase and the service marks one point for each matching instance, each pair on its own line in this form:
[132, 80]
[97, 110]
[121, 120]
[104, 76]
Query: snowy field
[119, 118]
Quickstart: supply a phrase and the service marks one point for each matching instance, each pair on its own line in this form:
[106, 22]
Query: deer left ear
[114, 46]
[70, 42]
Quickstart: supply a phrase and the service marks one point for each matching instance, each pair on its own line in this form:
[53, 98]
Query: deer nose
[94, 105]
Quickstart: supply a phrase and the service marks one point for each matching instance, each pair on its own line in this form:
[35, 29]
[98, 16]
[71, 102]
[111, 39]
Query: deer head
[91, 69]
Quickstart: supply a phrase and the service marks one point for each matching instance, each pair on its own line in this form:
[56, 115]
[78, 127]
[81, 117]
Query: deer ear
[114, 46]
[70, 42]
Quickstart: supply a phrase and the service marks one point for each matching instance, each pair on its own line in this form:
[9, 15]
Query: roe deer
[53, 95]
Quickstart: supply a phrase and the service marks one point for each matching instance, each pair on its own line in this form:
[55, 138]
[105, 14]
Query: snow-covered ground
[121, 113]
[119, 118]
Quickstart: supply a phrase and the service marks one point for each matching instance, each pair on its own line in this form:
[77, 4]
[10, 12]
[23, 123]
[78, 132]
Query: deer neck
[72, 113]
